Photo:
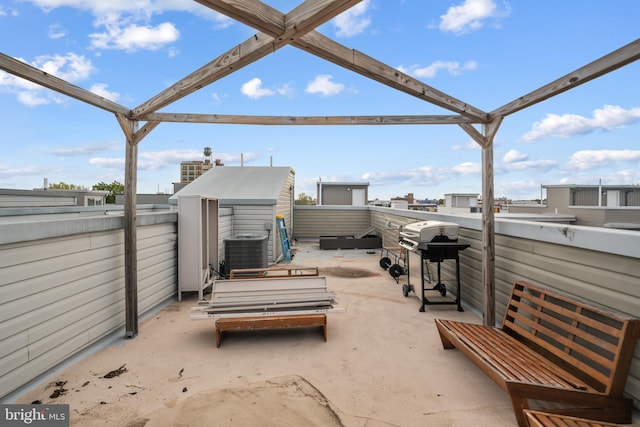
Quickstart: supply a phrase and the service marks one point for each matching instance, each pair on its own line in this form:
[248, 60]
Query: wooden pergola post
[489, 131]
[485, 140]
[488, 238]
[129, 128]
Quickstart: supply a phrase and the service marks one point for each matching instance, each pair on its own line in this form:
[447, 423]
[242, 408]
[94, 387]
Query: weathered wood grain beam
[307, 120]
[474, 133]
[253, 13]
[324, 47]
[302, 19]
[614, 60]
[34, 75]
[249, 51]
[367, 66]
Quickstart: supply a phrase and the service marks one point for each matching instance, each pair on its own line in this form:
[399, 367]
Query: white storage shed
[255, 195]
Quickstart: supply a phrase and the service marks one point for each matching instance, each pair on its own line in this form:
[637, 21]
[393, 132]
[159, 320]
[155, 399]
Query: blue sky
[483, 52]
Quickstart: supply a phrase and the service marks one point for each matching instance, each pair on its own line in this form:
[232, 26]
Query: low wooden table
[251, 323]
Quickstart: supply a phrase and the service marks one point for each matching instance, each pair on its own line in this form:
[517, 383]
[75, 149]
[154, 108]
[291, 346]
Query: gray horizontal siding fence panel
[60, 295]
[317, 221]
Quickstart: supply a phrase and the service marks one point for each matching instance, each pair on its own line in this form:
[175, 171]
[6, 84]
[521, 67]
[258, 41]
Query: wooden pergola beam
[302, 19]
[39, 77]
[252, 49]
[610, 62]
[308, 120]
[367, 66]
[306, 17]
[351, 59]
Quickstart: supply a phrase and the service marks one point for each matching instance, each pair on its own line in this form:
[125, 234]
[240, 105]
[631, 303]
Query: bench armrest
[585, 404]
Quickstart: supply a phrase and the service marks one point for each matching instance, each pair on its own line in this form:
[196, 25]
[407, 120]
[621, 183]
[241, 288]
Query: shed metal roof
[244, 184]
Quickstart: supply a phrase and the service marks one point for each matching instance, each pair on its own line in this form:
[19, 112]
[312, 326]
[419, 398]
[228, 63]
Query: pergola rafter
[297, 28]
[302, 19]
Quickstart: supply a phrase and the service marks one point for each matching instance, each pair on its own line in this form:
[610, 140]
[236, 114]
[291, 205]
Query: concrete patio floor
[383, 365]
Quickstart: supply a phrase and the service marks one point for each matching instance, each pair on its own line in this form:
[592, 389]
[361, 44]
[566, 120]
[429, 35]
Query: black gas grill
[435, 242]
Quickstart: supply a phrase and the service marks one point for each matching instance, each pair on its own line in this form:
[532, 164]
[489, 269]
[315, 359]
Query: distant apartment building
[613, 206]
[191, 170]
[460, 203]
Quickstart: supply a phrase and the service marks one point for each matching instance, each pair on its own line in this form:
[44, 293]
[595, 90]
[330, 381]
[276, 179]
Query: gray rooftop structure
[238, 185]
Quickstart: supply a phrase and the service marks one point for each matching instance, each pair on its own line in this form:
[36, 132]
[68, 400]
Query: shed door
[357, 197]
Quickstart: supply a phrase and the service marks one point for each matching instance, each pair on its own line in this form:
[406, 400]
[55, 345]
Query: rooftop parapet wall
[62, 286]
[28, 225]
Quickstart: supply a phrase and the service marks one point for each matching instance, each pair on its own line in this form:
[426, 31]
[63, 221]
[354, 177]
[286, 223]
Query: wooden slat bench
[552, 348]
[249, 323]
[544, 419]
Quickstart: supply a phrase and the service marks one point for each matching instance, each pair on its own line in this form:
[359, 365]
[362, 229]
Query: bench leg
[446, 344]
[218, 337]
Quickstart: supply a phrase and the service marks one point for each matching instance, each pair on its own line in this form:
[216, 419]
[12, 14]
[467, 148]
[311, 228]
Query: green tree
[64, 186]
[303, 199]
[114, 188]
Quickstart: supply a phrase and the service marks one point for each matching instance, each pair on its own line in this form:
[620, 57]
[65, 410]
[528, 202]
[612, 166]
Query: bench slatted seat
[552, 348]
[543, 419]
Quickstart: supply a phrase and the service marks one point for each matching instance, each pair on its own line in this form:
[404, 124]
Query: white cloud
[568, 125]
[323, 85]
[287, 90]
[6, 12]
[87, 149]
[100, 89]
[254, 90]
[454, 68]
[70, 67]
[530, 165]
[468, 168]
[589, 159]
[518, 188]
[107, 162]
[34, 99]
[131, 37]
[158, 160]
[514, 160]
[353, 21]
[469, 16]
[56, 31]
[127, 23]
[424, 175]
[514, 156]
[469, 145]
